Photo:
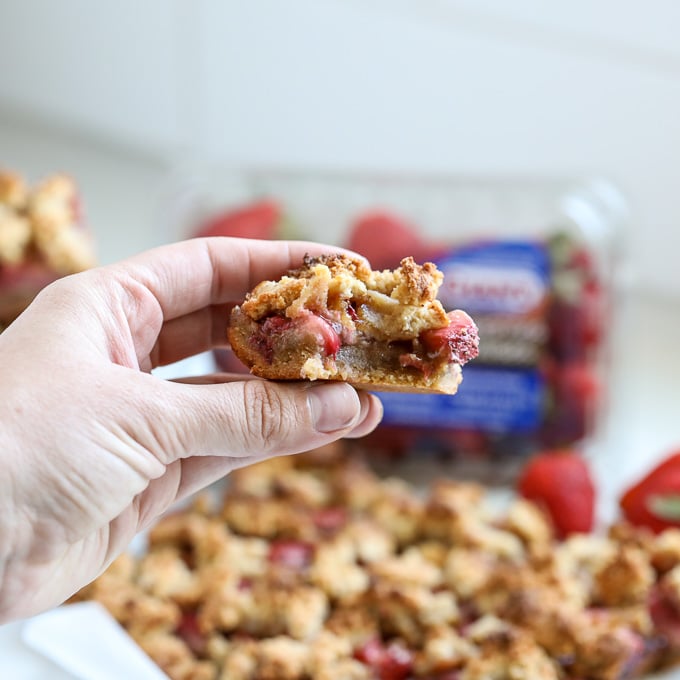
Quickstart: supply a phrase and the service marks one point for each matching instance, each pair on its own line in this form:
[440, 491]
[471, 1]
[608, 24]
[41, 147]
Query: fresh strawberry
[560, 482]
[575, 396]
[595, 313]
[654, 501]
[385, 239]
[576, 328]
[581, 259]
[567, 323]
[258, 220]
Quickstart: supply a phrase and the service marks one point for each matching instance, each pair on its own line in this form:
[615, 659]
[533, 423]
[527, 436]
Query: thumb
[260, 418]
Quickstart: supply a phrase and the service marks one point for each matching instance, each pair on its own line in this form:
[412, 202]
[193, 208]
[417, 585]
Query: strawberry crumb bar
[334, 318]
[41, 238]
[312, 567]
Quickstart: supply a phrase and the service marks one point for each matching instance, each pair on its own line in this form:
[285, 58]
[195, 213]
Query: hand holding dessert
[94, 447]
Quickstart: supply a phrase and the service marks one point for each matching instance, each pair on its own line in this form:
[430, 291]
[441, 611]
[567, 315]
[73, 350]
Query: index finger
[189, 275]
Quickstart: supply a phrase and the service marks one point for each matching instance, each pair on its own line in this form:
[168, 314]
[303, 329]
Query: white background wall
[451, 86]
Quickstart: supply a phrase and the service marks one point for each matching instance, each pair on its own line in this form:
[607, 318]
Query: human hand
[94, 446]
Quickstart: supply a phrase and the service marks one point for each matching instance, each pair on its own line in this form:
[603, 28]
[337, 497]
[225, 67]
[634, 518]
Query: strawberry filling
[188, 629]
[296, 555]
[665, 615]
[330, 519]
[414, 361]
[641, 652]
[307, 327]
[389, 662]
[279, 335]
[458, 342]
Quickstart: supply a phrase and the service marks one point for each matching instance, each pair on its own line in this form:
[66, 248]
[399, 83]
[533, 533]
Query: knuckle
[268, 416]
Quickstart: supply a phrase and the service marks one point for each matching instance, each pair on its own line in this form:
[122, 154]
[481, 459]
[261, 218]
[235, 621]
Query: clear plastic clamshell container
[532, 260]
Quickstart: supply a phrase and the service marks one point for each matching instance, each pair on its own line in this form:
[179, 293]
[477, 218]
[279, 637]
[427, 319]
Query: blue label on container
[504, 277]
[493, 399]
[505, 286]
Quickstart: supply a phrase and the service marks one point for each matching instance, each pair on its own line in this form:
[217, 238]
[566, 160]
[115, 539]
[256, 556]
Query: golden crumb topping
[41, 224]
[313, 567]
[397, 304]
[13, 190]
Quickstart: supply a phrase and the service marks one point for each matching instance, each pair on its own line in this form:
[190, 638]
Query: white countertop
[642, 425]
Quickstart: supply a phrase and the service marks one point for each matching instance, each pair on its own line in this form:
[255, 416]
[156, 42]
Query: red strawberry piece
[459, 341]
[258, 220]
[290, 553]
[397, 663]
[582, 259]
[306, 323]
[560, 482]
[594, 313]
[575, 392]
[188, 629]
[576, 328]
[326, 334]
[664, 614]
[390, 662]
[567, 323]
[385, 239]
[330, 519]
[654, 501]
[371, 652]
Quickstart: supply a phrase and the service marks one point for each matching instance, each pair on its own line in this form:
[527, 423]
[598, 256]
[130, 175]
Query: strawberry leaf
[665, 507]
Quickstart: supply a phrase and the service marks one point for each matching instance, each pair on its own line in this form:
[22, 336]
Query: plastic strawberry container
[532, 260]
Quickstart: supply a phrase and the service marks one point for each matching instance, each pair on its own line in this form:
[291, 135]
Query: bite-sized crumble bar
[312, 567]
[334, 318]
[41, 238]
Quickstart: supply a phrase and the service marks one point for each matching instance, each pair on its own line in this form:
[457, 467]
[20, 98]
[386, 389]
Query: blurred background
[125, 95]
[469, 117]
[158, 108]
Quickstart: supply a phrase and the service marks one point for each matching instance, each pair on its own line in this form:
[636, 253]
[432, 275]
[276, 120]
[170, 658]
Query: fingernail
[365, 402]
[333, 406]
